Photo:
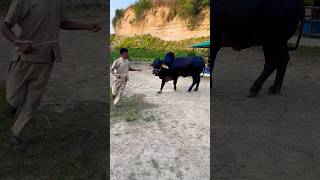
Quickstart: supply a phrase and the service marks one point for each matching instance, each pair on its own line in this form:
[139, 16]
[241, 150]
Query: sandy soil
[175, 145]
[68, 135]
[270, 136]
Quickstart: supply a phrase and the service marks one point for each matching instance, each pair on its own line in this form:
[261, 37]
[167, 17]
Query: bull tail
[300, 32]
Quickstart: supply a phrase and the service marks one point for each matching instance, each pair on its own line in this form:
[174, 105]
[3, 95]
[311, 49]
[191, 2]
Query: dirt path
[175, 144]
[267, 137]
[67, 138]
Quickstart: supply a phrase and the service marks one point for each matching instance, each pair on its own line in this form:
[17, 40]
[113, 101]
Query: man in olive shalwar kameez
[28, 23]
[120, 69]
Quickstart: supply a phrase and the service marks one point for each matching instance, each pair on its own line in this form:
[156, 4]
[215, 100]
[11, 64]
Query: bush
[188, 10]
[153, 43]
[308, 2]
[118, 15]
[140, 7]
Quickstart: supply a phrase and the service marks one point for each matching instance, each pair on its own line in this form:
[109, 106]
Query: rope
[61, 39]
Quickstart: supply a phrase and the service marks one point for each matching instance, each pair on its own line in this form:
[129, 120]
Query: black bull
[171, 68]
[267, 23]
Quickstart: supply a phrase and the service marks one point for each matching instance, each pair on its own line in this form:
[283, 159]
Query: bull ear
[165, 66]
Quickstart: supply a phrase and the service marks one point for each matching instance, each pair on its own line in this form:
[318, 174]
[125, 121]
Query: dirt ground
[169, 139]
[68, 136]
[269, 136]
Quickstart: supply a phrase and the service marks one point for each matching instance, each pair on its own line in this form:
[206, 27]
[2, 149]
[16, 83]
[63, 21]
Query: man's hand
[25, 47]
[117, 75]
[70, 25]
[95, 27]
[133, 69]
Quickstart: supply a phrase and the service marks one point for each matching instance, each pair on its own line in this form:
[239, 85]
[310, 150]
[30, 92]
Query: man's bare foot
[115, 106]
[15, 140]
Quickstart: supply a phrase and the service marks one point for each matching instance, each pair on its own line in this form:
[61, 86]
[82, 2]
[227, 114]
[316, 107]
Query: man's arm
[24, 46]
[7, 32]
[113, 68]
[133, 69]
[70, 25]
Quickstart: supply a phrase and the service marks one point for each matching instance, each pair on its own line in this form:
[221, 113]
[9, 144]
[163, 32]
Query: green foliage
[140, 7]
[147, 48]
[185, 9]
[4, 121]
[149, 42]
[190, 10]
[308, 2]
[118, 15]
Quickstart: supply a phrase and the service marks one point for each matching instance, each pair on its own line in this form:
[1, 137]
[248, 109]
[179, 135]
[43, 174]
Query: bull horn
[165, 66]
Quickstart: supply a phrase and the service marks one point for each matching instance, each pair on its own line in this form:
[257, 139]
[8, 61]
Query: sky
[118, 4]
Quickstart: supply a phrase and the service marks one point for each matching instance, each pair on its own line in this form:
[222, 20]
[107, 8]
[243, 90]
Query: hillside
[170, 20]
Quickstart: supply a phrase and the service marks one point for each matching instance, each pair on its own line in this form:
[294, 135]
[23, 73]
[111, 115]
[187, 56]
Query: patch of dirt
[269, 136]
[175, 144]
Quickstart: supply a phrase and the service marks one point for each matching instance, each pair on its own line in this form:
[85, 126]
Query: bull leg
[281, 70]
[198, 82]
[212, 59]
[270, 65]
[175, 83]
[194, 81]
[162, 85]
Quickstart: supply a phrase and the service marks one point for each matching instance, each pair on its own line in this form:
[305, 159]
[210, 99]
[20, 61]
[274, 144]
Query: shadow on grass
[307, 52]
[131, 109]
[67, 145]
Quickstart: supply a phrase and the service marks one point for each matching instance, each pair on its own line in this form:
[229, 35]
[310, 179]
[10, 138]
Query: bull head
[157, 65]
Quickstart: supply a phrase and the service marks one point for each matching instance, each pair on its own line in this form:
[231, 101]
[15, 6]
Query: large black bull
[171, 68]
[267, 23]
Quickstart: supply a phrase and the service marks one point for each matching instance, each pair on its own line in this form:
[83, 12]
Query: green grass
[130, 110]
[147, 41]
[4, 121]
[308, 2]
[148, 48]
[185, 9]
[307, 52]
[146, 55]
[73, 147]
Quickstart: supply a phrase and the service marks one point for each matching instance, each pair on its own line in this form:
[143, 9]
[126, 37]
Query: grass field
[149, 55]
[59, 146]
[4, 122]
[148, 48]
[307, 52]
[130, 109]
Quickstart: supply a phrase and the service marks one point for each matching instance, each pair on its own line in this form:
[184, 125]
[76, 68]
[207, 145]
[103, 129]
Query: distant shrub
[118, 15]
[140, 7]
[308, 2]
[153, 43]
[185, 9]
[189, 10]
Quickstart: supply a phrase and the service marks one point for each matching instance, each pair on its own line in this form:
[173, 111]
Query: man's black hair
[122, 50]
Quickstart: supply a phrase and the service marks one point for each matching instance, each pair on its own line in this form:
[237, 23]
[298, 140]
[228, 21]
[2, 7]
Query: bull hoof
[159, 92]
[252, 94]
[195, 90]
[189, 90]
[273, 90]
